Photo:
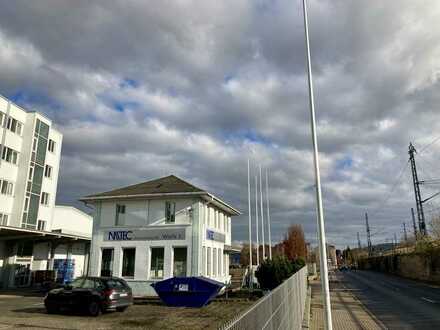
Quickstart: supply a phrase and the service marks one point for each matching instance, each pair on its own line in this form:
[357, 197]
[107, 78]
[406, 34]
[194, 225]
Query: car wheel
[94, 309]
[121, 309]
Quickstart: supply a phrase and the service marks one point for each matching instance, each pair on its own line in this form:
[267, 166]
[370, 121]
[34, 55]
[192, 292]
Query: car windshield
[83, 283]
[115, 284]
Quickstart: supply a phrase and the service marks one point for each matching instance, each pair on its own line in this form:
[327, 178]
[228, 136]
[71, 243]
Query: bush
[272, 273]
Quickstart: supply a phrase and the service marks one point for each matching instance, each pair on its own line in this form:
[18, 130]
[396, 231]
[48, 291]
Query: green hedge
[272, 273]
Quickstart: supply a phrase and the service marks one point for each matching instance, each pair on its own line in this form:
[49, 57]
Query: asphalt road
[398, 303]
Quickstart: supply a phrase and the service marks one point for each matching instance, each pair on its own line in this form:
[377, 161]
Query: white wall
[72, 221]
[77, 253]
[144, 212]
[218, 221]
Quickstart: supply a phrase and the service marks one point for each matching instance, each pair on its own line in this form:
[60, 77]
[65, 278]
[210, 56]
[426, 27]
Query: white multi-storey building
[160, 229]
[32, 227]
[30, 150]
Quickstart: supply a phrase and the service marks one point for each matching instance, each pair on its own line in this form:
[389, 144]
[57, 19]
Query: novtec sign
[162, 234]
[214, 236]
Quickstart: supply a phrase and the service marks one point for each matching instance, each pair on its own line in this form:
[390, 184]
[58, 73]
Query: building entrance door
[180, 255]
[22, 274]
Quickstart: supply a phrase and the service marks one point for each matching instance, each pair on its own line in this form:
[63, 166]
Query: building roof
[11, 233]
[166, 186]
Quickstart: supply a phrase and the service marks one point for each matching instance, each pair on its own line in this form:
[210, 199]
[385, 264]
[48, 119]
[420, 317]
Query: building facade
[160, 229]
[32, 228]
[30, 150]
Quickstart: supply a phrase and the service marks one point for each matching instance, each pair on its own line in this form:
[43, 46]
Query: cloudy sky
[142, 89]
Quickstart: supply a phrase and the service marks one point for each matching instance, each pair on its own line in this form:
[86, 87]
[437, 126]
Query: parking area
[26, 311]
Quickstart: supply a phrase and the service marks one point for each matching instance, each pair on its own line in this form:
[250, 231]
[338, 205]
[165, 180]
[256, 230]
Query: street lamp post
[321, 227]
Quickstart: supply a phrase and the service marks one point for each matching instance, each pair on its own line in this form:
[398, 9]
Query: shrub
[272, 273]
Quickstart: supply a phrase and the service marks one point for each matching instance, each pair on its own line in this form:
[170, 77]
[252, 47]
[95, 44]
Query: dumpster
[187, 291]
[64, 269]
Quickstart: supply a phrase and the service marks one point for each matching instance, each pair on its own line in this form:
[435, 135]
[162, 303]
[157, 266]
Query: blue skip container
[187, 291]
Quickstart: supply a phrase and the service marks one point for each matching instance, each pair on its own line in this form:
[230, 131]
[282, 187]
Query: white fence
[282, 308]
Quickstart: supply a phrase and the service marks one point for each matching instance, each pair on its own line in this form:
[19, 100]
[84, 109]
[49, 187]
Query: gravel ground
[24, 312]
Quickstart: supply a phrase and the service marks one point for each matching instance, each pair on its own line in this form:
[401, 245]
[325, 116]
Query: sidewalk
[347, 311]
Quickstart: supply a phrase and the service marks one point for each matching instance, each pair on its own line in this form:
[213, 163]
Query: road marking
[429, 300]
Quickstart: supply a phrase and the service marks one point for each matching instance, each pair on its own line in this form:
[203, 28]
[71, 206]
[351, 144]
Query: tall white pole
[256, 219]
[321, 227]
[268, 216]
[262, 216]
[250, 225]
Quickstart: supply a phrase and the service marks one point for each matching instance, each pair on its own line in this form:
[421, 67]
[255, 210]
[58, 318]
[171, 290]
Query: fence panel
[281, 309]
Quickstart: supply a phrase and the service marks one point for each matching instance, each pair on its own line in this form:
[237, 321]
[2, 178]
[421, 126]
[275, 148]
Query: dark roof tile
[168, 184]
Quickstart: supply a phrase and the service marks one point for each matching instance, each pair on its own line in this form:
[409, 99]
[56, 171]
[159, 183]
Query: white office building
[159, 229]
[33, 230]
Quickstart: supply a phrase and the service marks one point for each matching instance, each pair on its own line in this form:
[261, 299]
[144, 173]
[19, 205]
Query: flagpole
[262, 217]
[321, 227]
[250, 225]
[268, 215]
[256, 218]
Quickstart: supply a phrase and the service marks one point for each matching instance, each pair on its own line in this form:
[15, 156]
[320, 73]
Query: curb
[306, 316]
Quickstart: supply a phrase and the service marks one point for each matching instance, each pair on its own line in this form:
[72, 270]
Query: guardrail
[282, 308]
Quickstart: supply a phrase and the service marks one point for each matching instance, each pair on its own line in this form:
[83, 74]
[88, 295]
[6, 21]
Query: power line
[425, 160]
[429, 144]
[394, 186]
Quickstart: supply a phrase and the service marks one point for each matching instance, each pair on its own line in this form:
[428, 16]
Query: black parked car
[92, 295]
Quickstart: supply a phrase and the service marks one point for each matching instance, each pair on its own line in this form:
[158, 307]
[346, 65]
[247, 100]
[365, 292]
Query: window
[179, 265]
[41, 225]
[209, 217]
[214, 262]
[204, 261]
[19, 128]
[83, 283]
[107, 262]
[51, 146]
[208, 262]
[170, 212]
[31, 173]
[3, 219]
[128, 261]
[120, 215]
[115, 284]
[26, 204]
[35, 144]
[14, 125]
[44, 198]
[220, 272]
[10, 155]
[156, 267]
[2, 117]
[6, 187]
[48, 171]
[225, 260]
[25, 249]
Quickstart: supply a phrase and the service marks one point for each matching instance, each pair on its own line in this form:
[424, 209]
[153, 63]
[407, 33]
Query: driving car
[91, 295]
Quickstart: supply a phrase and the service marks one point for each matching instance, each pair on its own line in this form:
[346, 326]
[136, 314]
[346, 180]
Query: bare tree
[294, 243]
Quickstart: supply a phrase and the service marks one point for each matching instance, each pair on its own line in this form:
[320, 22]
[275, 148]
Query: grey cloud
[216, 83]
